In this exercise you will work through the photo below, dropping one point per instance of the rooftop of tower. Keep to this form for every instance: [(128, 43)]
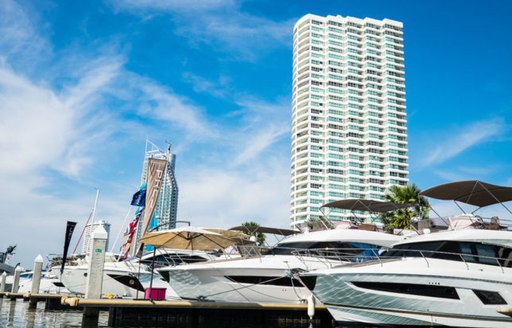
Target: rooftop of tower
[(350, 19)]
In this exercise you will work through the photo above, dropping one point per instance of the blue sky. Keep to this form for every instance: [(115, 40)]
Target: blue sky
[(84, 83)]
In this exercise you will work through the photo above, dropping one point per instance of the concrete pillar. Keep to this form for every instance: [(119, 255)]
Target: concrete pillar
[(96, 263), (95, 268), (2, 282), (36, 277), (16, 281)]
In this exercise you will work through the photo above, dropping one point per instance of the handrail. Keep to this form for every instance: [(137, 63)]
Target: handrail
[(343, 255)]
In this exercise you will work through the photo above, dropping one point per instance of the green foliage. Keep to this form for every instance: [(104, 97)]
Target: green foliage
[(252, 227), (402, 218)]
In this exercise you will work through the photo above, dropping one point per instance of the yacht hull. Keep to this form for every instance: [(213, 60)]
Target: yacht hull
[(75, 280), (382, 294), (258, 280)]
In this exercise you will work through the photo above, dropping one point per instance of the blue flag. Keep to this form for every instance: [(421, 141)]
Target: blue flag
[(139, 198)]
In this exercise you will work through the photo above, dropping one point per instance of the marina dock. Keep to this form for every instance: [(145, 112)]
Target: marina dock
[(150, 313), (162, 313), (52, 301)]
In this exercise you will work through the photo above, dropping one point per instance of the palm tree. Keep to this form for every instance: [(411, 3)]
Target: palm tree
[(402, 218), (252, 227)]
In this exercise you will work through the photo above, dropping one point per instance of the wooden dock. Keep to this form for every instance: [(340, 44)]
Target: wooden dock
[(52, 301), (152, 313), (199, 314)]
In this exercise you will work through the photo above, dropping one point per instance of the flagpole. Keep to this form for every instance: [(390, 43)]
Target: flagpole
[(91, 216), (121, 229), (95, 204)]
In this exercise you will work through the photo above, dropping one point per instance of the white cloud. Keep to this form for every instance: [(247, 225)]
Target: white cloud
[(241, 35), (18, 36), (462, 139), (174, 5), (255, 144), (223, 198), (44, 128), (218, 88), (264, 125), (161, 104)]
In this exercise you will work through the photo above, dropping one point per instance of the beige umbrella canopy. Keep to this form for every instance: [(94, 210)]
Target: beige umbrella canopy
[(190, 238), (238, 237)]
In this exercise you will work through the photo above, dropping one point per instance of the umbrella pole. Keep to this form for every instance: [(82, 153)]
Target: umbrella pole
[(138, 277), (152, 272)]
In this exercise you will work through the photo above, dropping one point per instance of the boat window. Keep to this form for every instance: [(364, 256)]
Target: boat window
[(449, 250), (265, 280), (414, 289), (487, 254), (347, 248), (472, 252), (489, 297), (173, 259), (413, 249)]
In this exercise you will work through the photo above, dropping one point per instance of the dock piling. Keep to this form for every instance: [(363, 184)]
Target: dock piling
[(16, 281), (2, 282), (36, 277), (95, 269)]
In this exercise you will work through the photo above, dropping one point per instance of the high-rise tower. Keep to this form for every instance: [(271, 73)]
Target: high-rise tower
[(348, 112), (166, 208), (89, 229)]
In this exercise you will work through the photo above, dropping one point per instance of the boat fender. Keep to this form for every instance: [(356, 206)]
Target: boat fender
[(311, 306)]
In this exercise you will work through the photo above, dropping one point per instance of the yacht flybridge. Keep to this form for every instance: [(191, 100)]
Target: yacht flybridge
[(452, 278)]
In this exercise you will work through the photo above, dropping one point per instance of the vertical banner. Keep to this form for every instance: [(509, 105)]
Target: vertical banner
[(155, 177), (70, 227)]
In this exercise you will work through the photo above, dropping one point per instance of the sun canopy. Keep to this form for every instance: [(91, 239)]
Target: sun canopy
[(472, 192), (366, 205), (191, 238), (274, 231)]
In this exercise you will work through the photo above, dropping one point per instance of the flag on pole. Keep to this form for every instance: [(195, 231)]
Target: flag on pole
[(139, 198)]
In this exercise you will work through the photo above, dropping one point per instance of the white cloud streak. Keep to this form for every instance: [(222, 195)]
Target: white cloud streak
[(264, 125), (18, 36), (161, 104), (224, 198), (463, 139), (210, 22)]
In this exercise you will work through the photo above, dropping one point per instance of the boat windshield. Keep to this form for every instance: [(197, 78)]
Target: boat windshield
[(351, 248), (467, 251), (173, 259)]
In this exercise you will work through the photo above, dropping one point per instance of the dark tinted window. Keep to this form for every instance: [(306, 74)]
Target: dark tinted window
[(347, 248), (488, 297), (473, 252), (413, 289), (262, 280), (412, 249)]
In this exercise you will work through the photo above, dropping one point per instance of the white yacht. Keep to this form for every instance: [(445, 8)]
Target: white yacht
[(49, 283), (452, 278), (269, 277), (120, 278)]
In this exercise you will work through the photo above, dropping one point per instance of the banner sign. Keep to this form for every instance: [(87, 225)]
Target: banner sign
[(70, 227)]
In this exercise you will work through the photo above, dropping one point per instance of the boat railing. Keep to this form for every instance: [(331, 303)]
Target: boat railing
[(335, 257), (249, 251), (331, 257), (465, 258)]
